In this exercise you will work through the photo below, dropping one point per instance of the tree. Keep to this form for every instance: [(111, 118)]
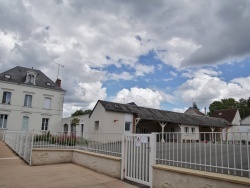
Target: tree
[(74, 122), (243, 105), (81, 112)]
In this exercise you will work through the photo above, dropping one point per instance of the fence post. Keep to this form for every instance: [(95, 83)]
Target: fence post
[(152, 156), (123, 156), (31, 148)]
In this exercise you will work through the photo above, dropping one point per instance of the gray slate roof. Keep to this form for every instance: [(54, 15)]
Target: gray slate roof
[(164, 116), (18, 76)]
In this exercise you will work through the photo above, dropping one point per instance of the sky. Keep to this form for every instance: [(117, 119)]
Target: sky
[(162, 54)]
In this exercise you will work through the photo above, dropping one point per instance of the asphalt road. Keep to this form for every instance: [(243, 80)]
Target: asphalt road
[(224, 158)]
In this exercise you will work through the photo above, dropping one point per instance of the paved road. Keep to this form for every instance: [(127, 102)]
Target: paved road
[(208, 156), (14, 173)]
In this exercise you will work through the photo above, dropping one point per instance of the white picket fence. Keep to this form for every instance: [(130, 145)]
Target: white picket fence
[(206, 151)]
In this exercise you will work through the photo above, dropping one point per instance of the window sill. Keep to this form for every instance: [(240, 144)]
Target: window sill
[(5, 104)]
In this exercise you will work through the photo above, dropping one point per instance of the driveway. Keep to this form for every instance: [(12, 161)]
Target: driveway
[(14, 172)]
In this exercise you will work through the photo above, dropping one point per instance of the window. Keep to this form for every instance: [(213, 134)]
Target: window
[(186, 129), (65, 127), (47, 103), (96, 125), (45, 124), (28, 100), (6, 97), (30, 78), (3, 121), (127, 126), (73, 129), (25, 123), (193, 130), (82, 127)]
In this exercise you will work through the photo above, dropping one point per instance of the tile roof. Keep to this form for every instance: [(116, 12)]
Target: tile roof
[(18, 76), (227, 114), (194, 111), (162, 115)]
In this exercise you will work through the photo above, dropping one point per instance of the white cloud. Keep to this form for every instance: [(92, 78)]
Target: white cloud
[(173, 73), (167, 79), (205, 87), (181, 110), (141, 70), (121, 76), (142, 97)]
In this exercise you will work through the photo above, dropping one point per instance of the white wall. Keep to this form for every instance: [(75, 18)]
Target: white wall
[(236, 120), (109, 122), (245, 121), (16, 109), (84, 119)]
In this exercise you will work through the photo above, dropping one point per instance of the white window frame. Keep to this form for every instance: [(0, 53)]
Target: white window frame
[(3, 121), (127, 123), (193, 130), (6, 99), (45, 124), (28, 100), (186, 130), (47, 103)]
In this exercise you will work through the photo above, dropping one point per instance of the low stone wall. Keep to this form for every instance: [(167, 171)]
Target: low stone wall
[(51, 156), (104, 164), (175, 177)]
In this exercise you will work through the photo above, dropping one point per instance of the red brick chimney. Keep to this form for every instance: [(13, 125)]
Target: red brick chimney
[(58, 82)]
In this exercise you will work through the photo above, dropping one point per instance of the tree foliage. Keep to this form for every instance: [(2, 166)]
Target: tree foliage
[(75, 121), (243, 105), (81, 112)]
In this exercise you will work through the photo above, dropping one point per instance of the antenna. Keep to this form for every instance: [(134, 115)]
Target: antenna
[(59, 65)]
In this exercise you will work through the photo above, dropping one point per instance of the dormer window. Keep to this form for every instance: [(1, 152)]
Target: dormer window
[(30, 78), (48, 84), (7, 76)]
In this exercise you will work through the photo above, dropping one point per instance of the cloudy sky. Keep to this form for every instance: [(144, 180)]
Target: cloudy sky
[(162, 54)]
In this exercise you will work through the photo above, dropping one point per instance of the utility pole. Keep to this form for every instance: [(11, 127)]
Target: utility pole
[(59, 65)]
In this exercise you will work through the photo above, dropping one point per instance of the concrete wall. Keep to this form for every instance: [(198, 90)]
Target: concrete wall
[(104, 164), (84, 120), (245, 121), (175, 177), (109, 122), (16, 109), (236, 120)]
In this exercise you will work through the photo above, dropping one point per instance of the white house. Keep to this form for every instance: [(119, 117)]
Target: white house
[(245, 121), (110, 117), (231, 115), (30, 100), (83, 121)]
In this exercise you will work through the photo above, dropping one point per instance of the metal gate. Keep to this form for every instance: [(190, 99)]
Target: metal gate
[(138, 158), (20, 142)]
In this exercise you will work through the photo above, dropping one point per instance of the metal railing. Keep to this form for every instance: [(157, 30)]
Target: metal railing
[(104, 143), (220, 152), (20, 142)]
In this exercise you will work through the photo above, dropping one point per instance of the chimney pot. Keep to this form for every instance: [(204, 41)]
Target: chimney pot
[(58, 82)]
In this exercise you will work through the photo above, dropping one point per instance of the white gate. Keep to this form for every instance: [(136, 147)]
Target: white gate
[(139, 158)]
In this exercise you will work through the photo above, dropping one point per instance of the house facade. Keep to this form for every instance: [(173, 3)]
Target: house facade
[(110, 117), (80, 127), (245, 121), (30, 100), (231, 115)]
